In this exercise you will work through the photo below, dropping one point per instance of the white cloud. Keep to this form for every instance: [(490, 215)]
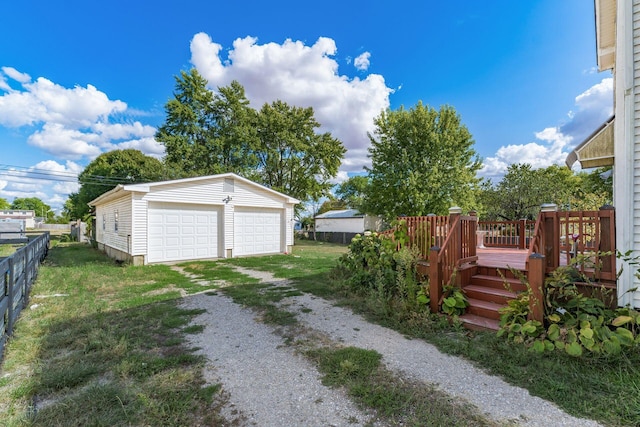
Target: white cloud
[(4, 85), (149, 146), (362, 61), (46, 102), (48, 180), (66, 143), (593, 107), (16, 75), (303, 76)]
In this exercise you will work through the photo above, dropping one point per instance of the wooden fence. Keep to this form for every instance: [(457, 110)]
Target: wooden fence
[(17, 274)]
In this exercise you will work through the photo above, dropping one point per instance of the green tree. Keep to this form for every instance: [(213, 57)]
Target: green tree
[(292, 158), (4, 204), (422, 161), (235, 132), (108, 170), (523, 189), (352, 192), (34, 204), (206, 133), (187, 131)]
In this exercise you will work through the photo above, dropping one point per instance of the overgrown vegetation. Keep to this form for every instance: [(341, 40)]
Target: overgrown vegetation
[(105, 306), (576, 323), (104, 345), (584, 387), (375, 269)]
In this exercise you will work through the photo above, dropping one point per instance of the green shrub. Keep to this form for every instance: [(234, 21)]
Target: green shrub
[(574, 323), (375, 267)]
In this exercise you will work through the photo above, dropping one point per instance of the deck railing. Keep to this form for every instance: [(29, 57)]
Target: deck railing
[(458, 248), (17, 274), (561, 236), (565, 235), (506, 234), (424, 232)]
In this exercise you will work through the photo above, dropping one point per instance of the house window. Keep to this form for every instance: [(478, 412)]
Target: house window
[(115, 220), (104, 221)]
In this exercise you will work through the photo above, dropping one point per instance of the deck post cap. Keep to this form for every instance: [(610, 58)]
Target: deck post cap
[(548, 207), (455, 210)]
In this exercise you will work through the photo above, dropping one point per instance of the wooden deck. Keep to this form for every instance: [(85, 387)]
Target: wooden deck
[(502, 257), (506, 257)]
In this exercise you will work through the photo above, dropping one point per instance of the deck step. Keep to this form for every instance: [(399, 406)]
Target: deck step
[(497, 282), (493, 271), (484, 308), (484, 293), (479, 323)]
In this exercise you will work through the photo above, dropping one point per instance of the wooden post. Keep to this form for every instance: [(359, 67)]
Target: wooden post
[(522, 240), (435, 278), (607, 239), (536, 275), (550, 238)]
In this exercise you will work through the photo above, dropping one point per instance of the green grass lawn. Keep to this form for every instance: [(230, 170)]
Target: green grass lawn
[(113, 339), (104, 345)]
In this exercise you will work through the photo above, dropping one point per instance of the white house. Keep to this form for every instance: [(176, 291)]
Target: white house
[(617, 142), (27, 216), (346, 221), (218, 216)]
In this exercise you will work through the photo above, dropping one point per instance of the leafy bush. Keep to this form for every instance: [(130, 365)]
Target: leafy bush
[(574, 323), (375, 267), (454, 302)]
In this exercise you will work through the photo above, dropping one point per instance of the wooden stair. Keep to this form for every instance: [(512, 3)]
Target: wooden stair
[(487, 291)]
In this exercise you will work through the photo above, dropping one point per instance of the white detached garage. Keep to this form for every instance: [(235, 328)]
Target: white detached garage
[(218, 216)]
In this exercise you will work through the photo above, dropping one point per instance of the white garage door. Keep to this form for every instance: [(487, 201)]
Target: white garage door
[(182, 232), (257, 232)]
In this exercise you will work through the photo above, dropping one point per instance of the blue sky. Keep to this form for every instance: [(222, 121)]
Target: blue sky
[(89, 77)]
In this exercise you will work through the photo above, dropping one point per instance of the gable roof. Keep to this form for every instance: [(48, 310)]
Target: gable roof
[(146, 187), (342, 213)]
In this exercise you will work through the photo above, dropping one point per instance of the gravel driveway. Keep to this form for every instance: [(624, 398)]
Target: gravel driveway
[(268, 384)]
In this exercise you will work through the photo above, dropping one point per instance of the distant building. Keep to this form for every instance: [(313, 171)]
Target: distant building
[(346, 221), (29, 217)]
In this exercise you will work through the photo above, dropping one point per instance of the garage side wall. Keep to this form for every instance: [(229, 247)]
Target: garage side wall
[(288, 227), (113, 227), (139, 221)]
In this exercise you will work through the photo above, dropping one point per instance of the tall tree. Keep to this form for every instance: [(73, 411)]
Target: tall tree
[(292, 157), (235, 132), (206, 133), (187, 131), (33, 204), (108, 170), (4, 204), (352, 191), (422, 161)]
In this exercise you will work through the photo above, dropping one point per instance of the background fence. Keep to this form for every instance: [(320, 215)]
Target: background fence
[(17, 274)]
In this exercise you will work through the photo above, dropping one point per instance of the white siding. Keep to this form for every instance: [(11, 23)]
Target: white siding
[(635, 179), (139, 227), (228, 228), (340, 225), (289, 224), (106, 223)]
